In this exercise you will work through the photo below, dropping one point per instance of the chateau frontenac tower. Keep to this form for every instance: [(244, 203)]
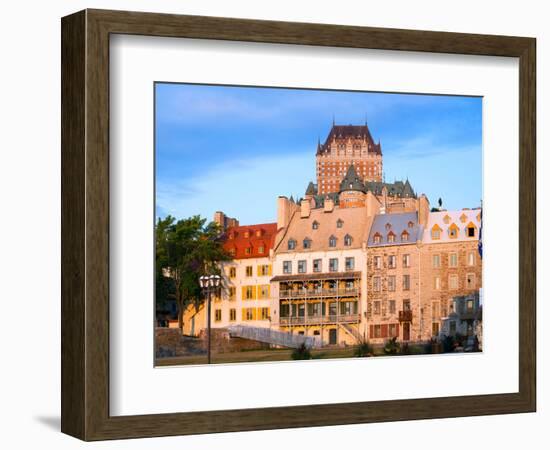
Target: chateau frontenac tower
[(347, 145)]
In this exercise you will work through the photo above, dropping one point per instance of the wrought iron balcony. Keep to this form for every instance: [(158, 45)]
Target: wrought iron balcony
[(405, 316), (315, 293), (317, 320)]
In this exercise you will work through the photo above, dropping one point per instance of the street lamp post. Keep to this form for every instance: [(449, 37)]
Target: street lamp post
[(208, 284)]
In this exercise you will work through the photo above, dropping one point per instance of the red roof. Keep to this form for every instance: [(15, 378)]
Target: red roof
[(343, 132), (250, 241)]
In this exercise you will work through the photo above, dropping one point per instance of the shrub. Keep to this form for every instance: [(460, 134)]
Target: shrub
[(448, 344), (302, 352), (405, 349), (363, 349), (392, 347)]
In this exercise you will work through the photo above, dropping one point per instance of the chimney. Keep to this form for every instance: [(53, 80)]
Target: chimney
[(305, 208), (423, 205), (285, 209), (372, 204), (224, 221), (329, 204)]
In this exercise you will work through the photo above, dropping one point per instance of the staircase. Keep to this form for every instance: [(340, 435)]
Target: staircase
[(274, 337), (352, 331)]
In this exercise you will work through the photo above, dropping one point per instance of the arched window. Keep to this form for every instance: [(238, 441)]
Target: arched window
[(347, 240), (339, 223), (405, 236), (291, 244), (436, 232), (332, 241), (307, 243), (453, 231), (377, 238), (410, 224), (391, 237), (315, 225)]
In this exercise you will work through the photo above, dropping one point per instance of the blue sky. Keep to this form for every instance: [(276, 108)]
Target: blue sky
[(236, 149)]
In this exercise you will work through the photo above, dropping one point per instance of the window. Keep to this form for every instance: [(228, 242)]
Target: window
[(232, 251), (437, 283), (470, 281), (391, 237), (453, 281), (391, 305), (263, 270), (392, 330), (263, 291), (317, 265), (291, 244), (446, 219), (471, 259), (436, 232), (452, 327), (261, 249), (376, 284), (218, 315), (231, 293), (232, 314), (377, 262), (248, 250), (302, 266), (249, 292), (248, 271), (453, 231), (377, 331), (436, 261), (232, 272), (333, 264), (377, 238), (435, 310), (332, 241), (406, 261), (453, 260), (339, 223), (248, 313), (391, 283), (307, 243), (463, 218), (287, 267), (377, 307), (404, 236), (264, 313), (435, 328), (410, 224), (392, 262), (406, 305), (315, 225), (350, 263), (347, 240), (471, 231), (406, 282), (247, 234), (469, 305), (258, 233)]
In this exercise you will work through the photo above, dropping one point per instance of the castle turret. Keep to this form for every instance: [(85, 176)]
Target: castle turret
[(352, 190)]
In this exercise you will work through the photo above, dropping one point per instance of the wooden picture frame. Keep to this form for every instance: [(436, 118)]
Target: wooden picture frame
[(85, 224)]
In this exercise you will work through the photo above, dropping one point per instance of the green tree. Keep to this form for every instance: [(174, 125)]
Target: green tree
[(185, 250)]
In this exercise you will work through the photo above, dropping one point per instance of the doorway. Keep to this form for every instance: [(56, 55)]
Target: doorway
[(332, 336)]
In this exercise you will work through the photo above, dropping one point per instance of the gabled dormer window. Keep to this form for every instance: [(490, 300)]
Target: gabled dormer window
[(339, 223), (410, 224), (247, 234), (377, 238), (232, 251), (248, 250), (258, 233), (453, 231), (405, 236), (446, 219), (388, 226), (391, 237), (307, 243), (471, 230), (463, 218), (332, 241), (261, 249), (436, 232), (315, 225), (291, 244), (347, 240)]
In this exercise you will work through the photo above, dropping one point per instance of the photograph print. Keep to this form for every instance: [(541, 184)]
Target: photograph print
[(303, 224)]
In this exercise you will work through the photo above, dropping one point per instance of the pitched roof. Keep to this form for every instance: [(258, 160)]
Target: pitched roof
[(352, 182), (396, 224), (437, 219), (356, 223), (395, 189), (311, 189), (260, 235), (350, 131)]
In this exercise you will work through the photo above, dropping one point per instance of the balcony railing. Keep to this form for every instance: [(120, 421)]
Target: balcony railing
[(405, 316), (302, 293), (314, 320)]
